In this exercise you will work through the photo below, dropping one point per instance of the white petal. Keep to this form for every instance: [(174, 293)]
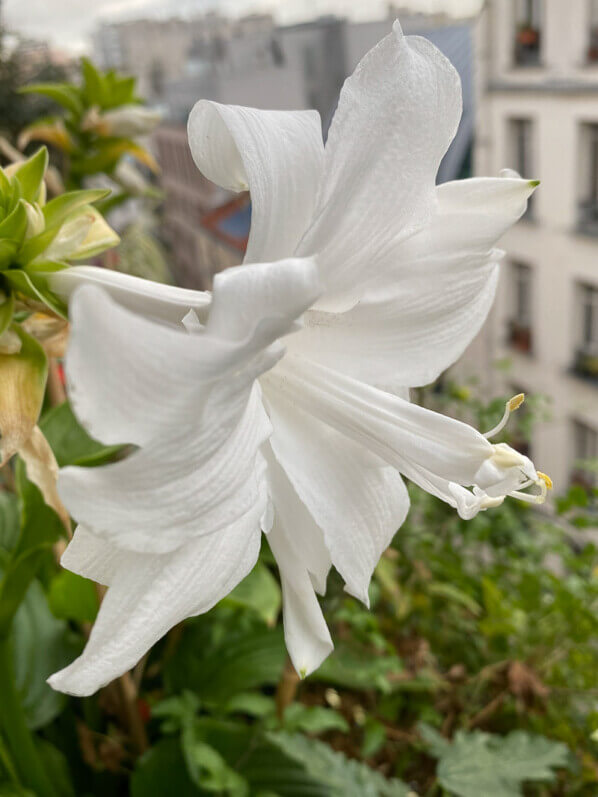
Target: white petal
[(153, 299), (277, 155), (131, 378), (294, 541), (396, 117), (357, 501), (149, 594), (200, 479), (431, 449), (417, 319), (92, 557)]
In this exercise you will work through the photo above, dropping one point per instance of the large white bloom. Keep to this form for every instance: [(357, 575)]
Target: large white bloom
[(305, 439)]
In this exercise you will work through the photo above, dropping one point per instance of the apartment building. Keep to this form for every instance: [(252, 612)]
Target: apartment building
[(537, 112)]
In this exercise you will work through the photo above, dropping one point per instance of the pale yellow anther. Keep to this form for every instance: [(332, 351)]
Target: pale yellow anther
[(546, 479), (516, 402)]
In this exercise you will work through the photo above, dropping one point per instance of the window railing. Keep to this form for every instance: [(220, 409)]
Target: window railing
[(520, 336), (588, 216), (585, 363), (527, 46)]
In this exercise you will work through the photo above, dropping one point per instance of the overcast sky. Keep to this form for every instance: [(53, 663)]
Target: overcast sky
[(68, 23)]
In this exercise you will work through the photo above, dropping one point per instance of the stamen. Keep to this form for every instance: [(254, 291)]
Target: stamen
[(546, 479), (511, 405)]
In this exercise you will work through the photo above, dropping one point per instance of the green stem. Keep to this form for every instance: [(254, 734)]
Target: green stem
[(14, 726)]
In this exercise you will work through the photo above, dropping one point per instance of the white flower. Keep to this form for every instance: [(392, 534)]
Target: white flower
[(127, 120), (241, 426)]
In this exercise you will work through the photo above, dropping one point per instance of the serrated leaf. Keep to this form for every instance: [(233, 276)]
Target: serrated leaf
[(356, 668), (313, 719), (480, 763), (342, 777)]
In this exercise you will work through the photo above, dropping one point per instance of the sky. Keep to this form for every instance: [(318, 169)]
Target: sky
[(67, 24)]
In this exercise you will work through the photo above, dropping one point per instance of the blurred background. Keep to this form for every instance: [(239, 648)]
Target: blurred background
[(484, 634)]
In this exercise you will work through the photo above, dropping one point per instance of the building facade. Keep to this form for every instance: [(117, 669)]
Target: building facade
[(537, 113)]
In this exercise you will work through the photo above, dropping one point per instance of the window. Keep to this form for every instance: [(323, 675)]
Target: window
[(588, 207), (521, 152), (520, 326), (585, 453), (586, 361), (528, 28), (593, 32)]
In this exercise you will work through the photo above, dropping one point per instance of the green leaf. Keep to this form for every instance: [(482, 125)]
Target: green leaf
[(452, 593), (6, 312), (58, 209), (241, 660), (260, 592), (70, 442), (264, 764), (41, 645), (40, 528), (35, 287), (342, 777), (313, 719), (30, 174), (121, 91), (56, 765), (207, 767), (15, 224), (64, 94), (95, 87), (253, 704), (374, 738), (162, 771), (9, 521), (357, 668), (480, 763), (72, 597)]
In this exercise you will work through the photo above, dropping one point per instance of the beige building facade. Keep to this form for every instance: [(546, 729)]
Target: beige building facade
[(537, 113)]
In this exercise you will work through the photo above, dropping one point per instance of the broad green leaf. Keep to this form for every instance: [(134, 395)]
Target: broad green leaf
[(64, 94), (264, 764), (374, 738), (121, 90), (480, 763), (241, 660), (59, 208), (41, 644), (260, 592), (30, 174), (162, 771), (72, 597), (342, 777), (70, 442)]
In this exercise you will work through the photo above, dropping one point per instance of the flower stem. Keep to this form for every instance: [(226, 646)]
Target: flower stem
[(19, 739)]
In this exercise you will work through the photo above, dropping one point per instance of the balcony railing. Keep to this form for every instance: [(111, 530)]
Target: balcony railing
[(588, 217), (527, 46), (585, 364), (520, 336)]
